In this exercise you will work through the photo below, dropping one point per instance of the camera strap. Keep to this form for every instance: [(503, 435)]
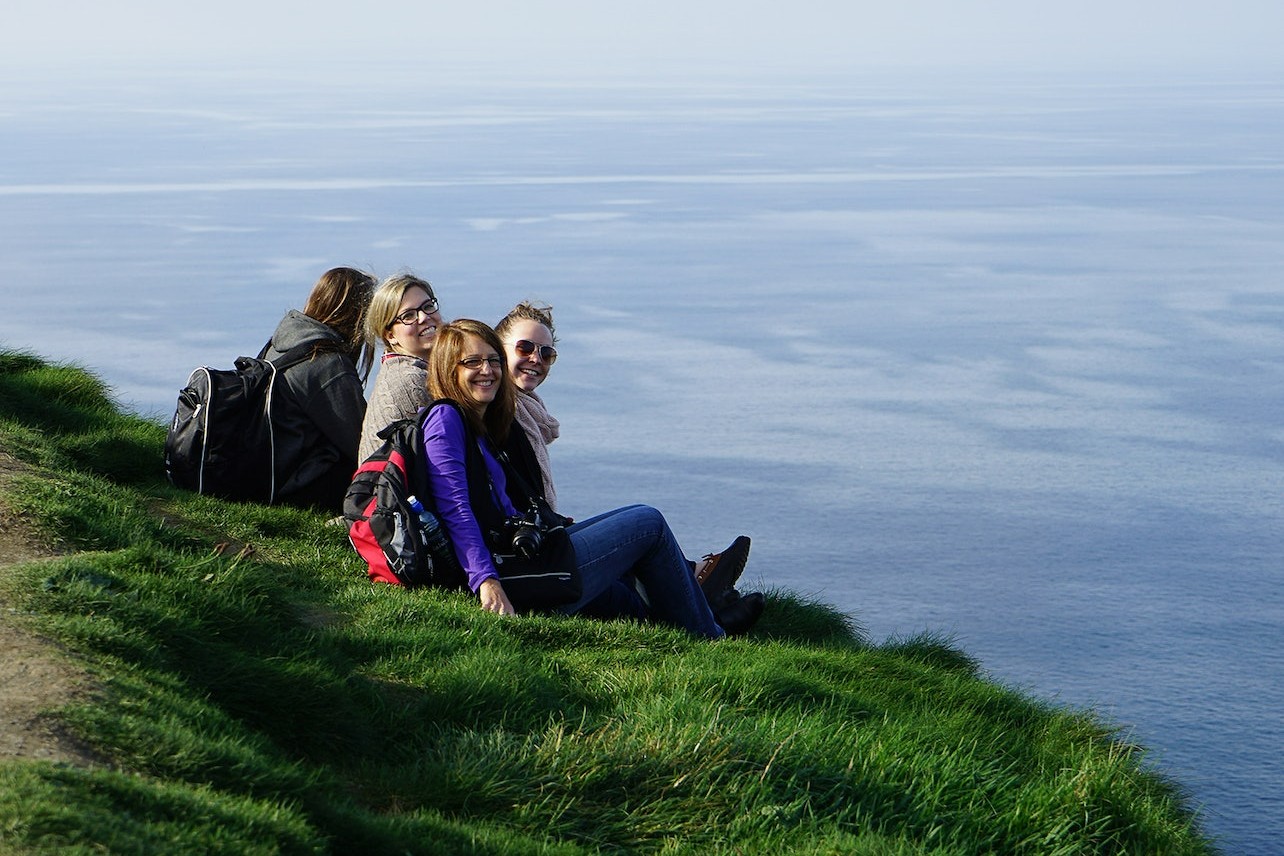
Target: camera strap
[(547, 516)]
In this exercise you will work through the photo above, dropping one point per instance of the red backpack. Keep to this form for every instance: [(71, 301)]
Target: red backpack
[(401, 544)]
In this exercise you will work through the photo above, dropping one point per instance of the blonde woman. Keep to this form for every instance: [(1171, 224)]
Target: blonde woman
[(403, 318), (530, 347)]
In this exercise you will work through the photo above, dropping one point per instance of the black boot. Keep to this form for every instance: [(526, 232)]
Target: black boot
[(736, 613), (721, 570)]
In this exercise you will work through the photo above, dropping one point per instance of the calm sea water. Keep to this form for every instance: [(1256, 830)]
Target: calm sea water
[(1001, 362)]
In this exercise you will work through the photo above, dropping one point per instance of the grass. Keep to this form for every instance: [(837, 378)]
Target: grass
[(256, 695)]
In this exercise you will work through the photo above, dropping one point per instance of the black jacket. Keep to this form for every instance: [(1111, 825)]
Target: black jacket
[(318, 442)]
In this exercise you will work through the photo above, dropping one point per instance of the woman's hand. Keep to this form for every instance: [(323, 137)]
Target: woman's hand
[(493, 598)]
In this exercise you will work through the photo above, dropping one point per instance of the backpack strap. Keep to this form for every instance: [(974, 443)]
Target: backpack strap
[(418, 475), (297, 354)]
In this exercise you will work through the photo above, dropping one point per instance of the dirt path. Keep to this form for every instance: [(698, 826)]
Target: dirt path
[(35, 674)]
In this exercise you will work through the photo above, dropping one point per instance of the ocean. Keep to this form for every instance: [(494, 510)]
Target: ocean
[(997, 360)]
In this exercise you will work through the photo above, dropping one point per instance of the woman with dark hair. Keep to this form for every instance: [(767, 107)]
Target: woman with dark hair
[(467, 367), (403, 318), (318, 445)]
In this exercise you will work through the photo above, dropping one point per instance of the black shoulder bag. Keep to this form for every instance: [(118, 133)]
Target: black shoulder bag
[(533, 553)]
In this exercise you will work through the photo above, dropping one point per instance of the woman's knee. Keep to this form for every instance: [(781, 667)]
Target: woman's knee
[(645, 512), (636, 508), (646, 516)]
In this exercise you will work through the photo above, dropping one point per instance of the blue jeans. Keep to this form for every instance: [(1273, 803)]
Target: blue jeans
[(636, 539)]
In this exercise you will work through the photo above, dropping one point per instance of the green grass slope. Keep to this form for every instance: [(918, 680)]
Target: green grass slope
[(255, 694)]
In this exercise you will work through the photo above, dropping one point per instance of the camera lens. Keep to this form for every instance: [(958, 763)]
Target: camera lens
[(526, 540)]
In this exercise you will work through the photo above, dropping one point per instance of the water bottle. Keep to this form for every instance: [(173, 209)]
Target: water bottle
[(440, 551)]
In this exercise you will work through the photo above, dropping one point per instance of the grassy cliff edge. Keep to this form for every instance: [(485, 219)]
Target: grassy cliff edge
[(252, 693)]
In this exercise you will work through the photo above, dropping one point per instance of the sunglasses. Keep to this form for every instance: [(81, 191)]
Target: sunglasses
[(526, 347)]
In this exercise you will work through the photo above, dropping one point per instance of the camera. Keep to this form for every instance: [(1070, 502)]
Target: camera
[(527, 538)]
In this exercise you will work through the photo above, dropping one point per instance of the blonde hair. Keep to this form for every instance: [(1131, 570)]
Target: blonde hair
[(385, 302), (527, 311)]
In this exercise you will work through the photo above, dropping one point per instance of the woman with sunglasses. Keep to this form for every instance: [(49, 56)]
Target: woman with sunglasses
[(403, 318), (467, 366), (530, 344), (528, 337)]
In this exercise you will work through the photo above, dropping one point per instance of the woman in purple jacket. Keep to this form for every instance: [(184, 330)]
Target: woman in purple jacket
[(467, 367)]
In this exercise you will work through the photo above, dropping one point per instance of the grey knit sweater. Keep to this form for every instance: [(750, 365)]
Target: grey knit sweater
[(400, 389)]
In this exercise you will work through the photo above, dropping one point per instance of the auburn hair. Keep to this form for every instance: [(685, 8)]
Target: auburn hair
[(448, 348)]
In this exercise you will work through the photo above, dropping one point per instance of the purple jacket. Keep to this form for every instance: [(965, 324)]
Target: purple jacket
[(444, 439)]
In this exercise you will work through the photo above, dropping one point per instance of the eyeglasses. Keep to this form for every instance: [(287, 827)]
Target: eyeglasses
[(526, 347), (475, 363), (410, 316)]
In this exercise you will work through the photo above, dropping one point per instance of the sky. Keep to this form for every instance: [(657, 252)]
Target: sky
[(1234, 36)]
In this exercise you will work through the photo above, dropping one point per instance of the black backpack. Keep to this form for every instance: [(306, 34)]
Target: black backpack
[(382, 525), (223, 438)]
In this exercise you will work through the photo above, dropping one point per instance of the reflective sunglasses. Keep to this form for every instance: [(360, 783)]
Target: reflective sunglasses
[(526, 347)]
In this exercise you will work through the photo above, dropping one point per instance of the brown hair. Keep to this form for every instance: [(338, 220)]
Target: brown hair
[(339, 300), (383, 305), (443, 378), (527, 311)]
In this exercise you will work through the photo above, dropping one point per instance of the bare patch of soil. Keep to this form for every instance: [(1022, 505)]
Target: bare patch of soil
[(36, 675)]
